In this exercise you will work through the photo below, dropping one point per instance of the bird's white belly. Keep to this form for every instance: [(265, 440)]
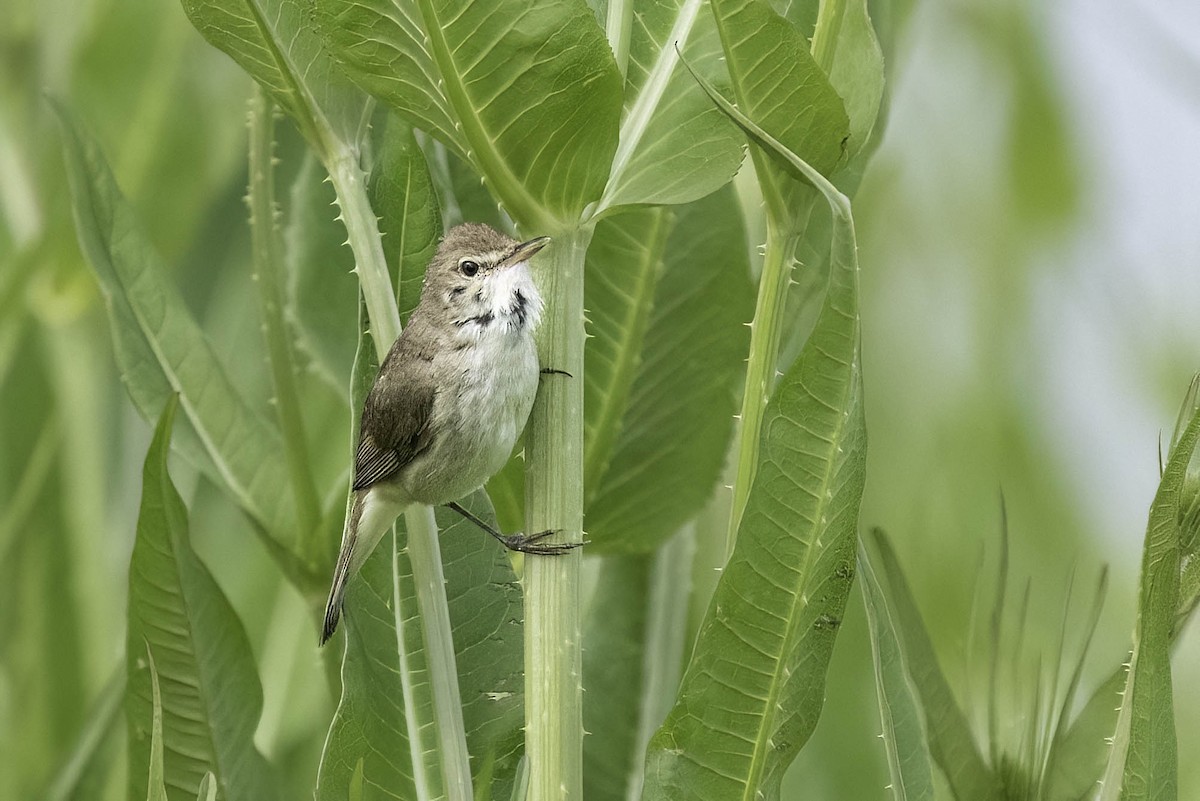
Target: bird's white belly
[(477, 417)]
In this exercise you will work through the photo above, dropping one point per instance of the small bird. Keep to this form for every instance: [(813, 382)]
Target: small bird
[(451, 398)]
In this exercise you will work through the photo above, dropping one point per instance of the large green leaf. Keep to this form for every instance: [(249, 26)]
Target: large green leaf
[(740, 721), (274, 41), (674, 146), (211, 698), (672, 437), (1083, 749), (161, 351), (526, 90), (403, 196), (904, 737), (380, 730), (1144, 759), (621, 273)]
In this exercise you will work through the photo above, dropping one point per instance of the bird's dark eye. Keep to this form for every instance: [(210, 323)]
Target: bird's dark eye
[(468, 268)]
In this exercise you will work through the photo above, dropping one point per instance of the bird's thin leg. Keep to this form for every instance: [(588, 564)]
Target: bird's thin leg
[(553, 371), (525, 543)]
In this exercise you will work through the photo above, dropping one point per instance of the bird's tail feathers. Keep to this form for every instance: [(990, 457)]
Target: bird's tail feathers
[(369, 518)]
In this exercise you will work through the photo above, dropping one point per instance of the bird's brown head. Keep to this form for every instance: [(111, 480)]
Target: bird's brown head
[(479, 281)]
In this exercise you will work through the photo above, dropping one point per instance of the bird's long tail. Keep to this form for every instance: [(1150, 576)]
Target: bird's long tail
[(366, 522)]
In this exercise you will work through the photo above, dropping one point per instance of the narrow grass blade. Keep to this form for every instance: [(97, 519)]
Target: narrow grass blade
[(211, 698), (951, 742), (738, 724), (904, 737), (156, 788)]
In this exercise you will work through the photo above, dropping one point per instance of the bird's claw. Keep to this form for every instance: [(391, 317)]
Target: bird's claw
[(532, 543), (555, 371)]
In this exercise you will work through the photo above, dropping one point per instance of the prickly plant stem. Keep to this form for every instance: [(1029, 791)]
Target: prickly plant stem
[(765, 333), (554, 500), (281, 359), (618, 26), (424, 553)]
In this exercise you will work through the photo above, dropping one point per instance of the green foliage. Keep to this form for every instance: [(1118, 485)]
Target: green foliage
[(904, 737), (210, 694), (737, 724), (527, 92), (617, 128)]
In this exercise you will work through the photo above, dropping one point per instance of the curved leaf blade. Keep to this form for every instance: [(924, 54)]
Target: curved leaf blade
[(674, 147), (161, 350), (210, 695), (526, 90), (674, 432), (739, 723)]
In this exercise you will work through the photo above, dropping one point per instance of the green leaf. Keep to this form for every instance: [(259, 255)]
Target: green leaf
[(615, 632), (322, 291), (274, 41), (777, 84), (211, 698), (950, 740), (162, 351), (622, 268), (738, 723), (672, 437), (1082, 752), (526, 90), (379, 727), (1144, 750), (857, 73), (156, 789), (403, 196), (674, 146), (903, 735)]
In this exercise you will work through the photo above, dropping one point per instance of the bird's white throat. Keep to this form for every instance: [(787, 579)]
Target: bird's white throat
[(508, 302)]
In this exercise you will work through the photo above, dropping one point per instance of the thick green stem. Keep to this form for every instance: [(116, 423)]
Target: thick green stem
[(423, 550), (765, 333), (825, 34), (268, 273), (554, 500)]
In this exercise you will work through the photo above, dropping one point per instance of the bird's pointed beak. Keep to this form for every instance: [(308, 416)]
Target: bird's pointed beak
[(526, 250)]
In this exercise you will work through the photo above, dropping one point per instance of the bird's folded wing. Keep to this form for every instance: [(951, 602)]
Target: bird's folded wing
[(395, 428)]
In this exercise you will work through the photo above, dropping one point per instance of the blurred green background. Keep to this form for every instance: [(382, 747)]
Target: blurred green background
[(1030, 235)]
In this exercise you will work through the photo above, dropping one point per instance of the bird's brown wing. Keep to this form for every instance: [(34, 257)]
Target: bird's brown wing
[(395, 426)]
